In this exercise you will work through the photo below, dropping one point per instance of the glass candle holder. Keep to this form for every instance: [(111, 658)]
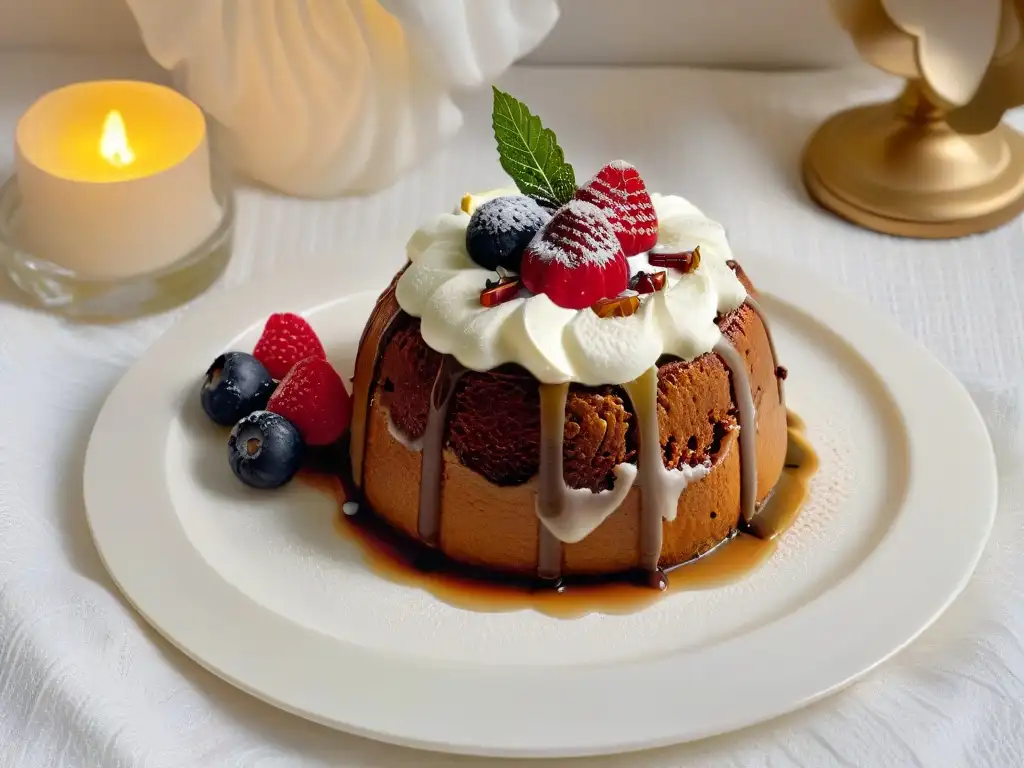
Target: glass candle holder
[(56, 288), (116, 207)]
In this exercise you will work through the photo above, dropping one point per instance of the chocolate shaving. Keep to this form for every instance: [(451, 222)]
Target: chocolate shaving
[(782, 372), (504, 278), (619, 306), (499, 291), (684, 261), (648, 282)]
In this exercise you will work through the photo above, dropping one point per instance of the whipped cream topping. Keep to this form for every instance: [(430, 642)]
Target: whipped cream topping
[(442, 287)]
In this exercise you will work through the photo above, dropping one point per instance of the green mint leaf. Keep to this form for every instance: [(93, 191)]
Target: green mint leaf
[(530, 153)]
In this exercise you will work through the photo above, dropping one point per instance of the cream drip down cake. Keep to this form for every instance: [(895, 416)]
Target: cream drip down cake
[(567, 379)]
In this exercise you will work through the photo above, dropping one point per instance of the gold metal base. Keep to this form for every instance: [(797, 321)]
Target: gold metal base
[(898, 168)]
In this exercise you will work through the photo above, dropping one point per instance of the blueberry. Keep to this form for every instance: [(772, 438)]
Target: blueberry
[(265, 450), (500, 229), (236, 384)]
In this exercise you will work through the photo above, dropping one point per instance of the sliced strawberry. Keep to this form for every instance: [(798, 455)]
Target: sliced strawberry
[(314, 399), (576, 259), (618, 190), (286, 340)]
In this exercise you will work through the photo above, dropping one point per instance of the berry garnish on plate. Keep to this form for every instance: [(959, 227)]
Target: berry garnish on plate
[(618, 190), (265, 450), (287, 338), (576, 259), (313, 398), (500, 229), (236, 384)]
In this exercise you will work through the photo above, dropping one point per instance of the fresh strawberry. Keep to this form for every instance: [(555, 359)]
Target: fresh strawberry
[(286, 339), (314, 399), (575, 258), (618, 190)]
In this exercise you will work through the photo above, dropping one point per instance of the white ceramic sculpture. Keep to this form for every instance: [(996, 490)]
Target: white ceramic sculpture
[(327, 97)]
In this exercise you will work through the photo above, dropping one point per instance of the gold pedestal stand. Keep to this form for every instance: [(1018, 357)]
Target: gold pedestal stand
[(900, 169)]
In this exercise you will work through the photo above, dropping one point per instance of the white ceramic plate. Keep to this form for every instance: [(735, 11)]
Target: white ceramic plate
[(259, 587)]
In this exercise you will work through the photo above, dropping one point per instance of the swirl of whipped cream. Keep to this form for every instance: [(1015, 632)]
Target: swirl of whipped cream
[(442, 287)]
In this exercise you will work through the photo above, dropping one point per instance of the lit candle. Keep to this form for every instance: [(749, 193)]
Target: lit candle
[(114, 178)]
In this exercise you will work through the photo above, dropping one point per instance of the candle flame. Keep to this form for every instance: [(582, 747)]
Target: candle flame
[(114, 146)]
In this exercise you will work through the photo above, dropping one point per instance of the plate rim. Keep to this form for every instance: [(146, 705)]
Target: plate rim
[(228, 633)]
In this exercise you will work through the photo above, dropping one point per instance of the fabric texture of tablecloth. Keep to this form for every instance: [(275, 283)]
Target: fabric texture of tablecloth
[(85, 682)]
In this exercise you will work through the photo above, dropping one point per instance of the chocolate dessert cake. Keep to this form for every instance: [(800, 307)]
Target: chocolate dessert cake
[(567, 380)]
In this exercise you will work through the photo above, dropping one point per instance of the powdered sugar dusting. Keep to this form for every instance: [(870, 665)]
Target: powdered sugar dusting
[(578, 234), (618, 189), (513, 213), (557, 342)]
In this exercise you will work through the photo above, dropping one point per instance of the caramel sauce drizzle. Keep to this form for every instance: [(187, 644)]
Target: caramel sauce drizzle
[(565, 514), (552, 436), (405, 560), (661, 488), (743, 396), (780, 374), (432, 455), (367, 371)]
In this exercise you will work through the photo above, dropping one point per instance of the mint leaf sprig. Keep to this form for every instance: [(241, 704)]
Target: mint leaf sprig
[(529, 152)]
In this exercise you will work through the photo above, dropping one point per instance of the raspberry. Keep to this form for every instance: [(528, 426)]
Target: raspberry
[(576, 259), (313, 398), (286, 340), (618, 190)]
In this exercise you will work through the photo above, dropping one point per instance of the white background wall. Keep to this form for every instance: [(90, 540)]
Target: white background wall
[(774, 33), (67, 23)]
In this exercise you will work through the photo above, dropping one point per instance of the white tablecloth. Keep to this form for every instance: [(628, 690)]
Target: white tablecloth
[(84, 681)]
